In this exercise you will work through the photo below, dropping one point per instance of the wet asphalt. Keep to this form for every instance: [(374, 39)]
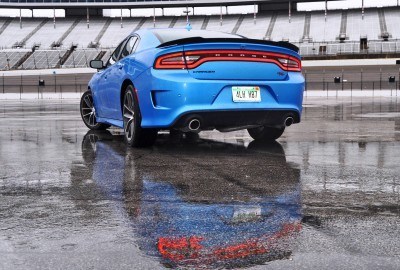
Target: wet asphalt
[(325, 196)]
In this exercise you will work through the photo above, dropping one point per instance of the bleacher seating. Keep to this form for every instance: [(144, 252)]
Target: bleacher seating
[(81, 35), (43, 59), (13, 33), (321, 30), (293, 31), (8, 58), (80, 58), (104, 34), (358, 27), (258, 30), (48, 34), (227, 26), (115, 33)]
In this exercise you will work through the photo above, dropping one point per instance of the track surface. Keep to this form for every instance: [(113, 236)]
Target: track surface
[(325, 197)]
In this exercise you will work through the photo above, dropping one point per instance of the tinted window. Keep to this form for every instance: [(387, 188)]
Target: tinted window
[(128, 48), (114, 57), (165, 35)]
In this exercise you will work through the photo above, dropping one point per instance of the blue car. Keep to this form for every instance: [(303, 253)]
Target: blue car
[(195, 80)]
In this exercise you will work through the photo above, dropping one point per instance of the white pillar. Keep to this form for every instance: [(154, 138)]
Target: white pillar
[(255, 14), (87, 17), (154, 17), (362, 9), (122, 26), (220, 20)]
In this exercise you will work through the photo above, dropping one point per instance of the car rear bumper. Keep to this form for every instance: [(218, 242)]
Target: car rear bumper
[(230, 119), (171, 97)]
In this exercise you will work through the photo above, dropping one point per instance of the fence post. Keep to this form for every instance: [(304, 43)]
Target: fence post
[(362, 79), (327, 89), (342, 79), (305, 75), (3, 82), (20, 88), (76, 88), (380, 79), (55, 81), (351, 90), (373, 88)]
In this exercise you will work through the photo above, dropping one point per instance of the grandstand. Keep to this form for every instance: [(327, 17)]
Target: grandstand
[(36, 43)]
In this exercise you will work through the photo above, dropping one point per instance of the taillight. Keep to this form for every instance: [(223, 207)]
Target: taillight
[(170, 61), (290, 63), (193, 59)]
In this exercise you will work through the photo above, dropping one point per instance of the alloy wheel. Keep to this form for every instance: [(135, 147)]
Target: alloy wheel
[(88, 110), (129, 116)]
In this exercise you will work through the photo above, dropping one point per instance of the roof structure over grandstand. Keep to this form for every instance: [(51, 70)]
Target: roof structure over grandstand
[(136, 3)]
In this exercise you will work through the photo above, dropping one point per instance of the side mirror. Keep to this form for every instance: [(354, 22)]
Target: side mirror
[(97, 64)]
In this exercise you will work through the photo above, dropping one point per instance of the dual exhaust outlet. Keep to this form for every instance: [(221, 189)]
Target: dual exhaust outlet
[(191, 125), (288, 121), (195, 124)]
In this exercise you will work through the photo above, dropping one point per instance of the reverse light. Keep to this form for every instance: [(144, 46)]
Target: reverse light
[(193, 59)]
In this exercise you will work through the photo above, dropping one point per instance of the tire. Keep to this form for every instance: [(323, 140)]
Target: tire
[(266, 134), (88, 112), (134, 134)]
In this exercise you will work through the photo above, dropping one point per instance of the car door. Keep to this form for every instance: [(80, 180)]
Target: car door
[(102, 91), (116, 76)]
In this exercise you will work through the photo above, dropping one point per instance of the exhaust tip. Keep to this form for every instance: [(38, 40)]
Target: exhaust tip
[(194, 125), (289, 121)]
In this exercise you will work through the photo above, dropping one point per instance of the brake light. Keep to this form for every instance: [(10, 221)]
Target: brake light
[(193, 59), (170, 61)]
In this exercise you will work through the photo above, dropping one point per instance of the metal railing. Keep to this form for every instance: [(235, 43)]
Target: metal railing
[(352, 81), (47, 59), (315, 81), (353, 47)]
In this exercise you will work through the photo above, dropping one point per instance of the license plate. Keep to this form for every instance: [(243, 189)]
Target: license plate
[(246, 94)]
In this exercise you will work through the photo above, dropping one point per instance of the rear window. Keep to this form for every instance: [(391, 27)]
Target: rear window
[(166, 35)]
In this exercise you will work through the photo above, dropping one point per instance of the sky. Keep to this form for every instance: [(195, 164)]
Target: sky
[(208, 10)]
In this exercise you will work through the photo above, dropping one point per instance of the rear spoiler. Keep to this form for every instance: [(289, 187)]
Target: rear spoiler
[(191, 40)]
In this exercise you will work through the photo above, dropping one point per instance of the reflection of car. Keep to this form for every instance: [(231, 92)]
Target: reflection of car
[(212, 216), (195, 80)]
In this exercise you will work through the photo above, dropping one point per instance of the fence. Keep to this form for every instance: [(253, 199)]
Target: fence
[(63, 83), (47, 59), (315, 80), (381, 79), (353, 47)]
